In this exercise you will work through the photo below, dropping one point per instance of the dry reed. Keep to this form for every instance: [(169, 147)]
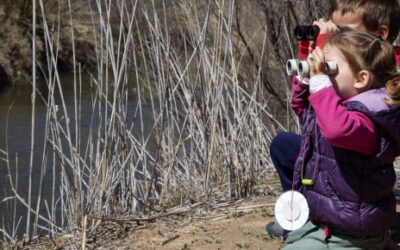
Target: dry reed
[(202, 124)]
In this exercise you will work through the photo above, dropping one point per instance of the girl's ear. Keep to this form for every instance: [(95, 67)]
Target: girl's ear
[(364, 78), (383, 31)]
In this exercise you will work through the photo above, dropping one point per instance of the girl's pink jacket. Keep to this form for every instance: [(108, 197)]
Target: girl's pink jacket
[(340, 127)]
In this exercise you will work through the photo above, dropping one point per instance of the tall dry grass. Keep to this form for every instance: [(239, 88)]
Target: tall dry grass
[(217, 91)]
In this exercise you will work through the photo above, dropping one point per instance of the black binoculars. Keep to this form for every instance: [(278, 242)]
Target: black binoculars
[(306, 32)]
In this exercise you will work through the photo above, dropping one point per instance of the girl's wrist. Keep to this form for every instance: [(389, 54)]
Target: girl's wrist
[(318, 82)]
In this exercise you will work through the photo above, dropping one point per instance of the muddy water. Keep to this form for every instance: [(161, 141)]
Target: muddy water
[(15, 138)]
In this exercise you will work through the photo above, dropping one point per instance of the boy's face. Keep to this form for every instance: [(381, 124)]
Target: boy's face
[(350, 20)]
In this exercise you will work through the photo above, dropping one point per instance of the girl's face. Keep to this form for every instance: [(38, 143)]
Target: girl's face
[(344, 80)]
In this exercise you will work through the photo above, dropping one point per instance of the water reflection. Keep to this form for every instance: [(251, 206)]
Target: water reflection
[(15, 138), (15, 112)]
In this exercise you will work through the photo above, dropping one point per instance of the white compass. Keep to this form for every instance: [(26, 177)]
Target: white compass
[(291, 210)]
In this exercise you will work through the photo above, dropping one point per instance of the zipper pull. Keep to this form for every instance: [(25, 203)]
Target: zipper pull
[(307, 182)]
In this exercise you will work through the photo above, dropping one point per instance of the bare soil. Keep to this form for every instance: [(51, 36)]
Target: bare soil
[(234, 225), (230, 225), (241, 227), (226, 225)]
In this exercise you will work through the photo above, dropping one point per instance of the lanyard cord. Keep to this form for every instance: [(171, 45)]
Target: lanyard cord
[(314, 132)]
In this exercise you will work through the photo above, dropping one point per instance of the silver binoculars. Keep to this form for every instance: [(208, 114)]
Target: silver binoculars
[(302, 69)]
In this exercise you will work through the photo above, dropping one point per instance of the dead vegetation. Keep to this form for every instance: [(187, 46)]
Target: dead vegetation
[(209, 74)]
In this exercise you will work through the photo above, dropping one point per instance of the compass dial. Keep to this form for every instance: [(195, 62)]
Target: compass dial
[(291, 210)]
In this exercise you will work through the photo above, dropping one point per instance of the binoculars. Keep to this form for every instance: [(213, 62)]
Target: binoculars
[(306, 32), (302, 69)]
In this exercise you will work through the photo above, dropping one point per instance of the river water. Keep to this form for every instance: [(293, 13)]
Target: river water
[(15, 138)]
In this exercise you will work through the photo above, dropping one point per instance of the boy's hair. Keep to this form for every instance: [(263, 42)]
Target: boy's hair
[(373, 13), (365, 51)]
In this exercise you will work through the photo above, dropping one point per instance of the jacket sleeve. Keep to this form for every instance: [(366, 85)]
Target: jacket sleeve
[(303, 49), (303, 46), (342, 128), (299, 95)]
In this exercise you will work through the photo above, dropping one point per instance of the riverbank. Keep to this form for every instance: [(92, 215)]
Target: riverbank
[(233, 225), (219, 225), (227, 225)]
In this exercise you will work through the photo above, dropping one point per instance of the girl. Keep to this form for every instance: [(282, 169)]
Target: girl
[(351, 136), (381, 17)]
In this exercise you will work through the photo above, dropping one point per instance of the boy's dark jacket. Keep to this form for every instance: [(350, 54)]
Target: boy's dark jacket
[(352, 193)]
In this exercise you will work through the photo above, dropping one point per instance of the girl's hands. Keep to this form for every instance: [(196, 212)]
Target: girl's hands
[(316, 62), (318, 71)]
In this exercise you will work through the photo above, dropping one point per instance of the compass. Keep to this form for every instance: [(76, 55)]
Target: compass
[(291, 210)]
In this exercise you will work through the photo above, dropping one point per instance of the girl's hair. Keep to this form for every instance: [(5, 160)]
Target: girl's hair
[(393, 90), (365, 51)]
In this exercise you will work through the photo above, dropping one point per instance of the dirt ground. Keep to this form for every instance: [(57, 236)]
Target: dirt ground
[(225, 225), (235, 227), (241, 227), (231, 225)]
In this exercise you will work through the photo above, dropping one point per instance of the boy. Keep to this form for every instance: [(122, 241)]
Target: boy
[(381, 17)]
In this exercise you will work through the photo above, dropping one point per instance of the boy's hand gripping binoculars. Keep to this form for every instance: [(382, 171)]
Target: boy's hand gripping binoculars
[(302, 69)]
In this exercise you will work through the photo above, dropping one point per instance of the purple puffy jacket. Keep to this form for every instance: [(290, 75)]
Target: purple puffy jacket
[(352, 193)]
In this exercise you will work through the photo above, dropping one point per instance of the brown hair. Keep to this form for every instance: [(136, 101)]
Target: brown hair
[(365, 51), (373, 13), (393, 90)]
